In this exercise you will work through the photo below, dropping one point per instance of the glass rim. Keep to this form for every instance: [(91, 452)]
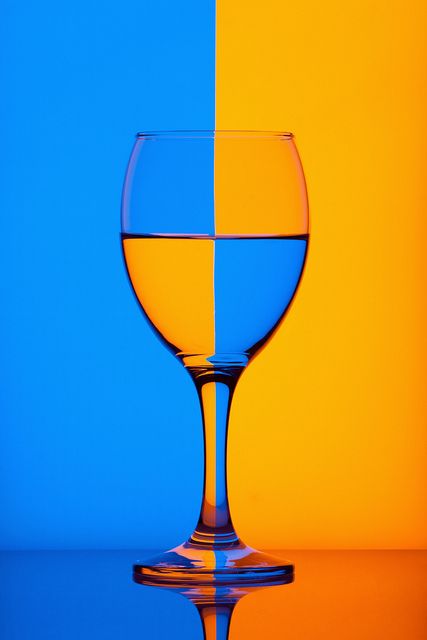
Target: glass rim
[(213, 133)]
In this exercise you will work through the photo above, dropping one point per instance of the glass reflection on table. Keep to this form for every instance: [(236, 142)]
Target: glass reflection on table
[(61, 595), (215, 605)]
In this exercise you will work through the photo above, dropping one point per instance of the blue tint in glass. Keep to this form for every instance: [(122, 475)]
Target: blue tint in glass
[(255, 281), (169, 187)]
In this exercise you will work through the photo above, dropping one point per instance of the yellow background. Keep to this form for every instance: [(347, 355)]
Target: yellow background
[(328, 428)]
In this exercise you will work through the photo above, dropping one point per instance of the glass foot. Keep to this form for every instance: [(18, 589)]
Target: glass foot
[(206, 565)]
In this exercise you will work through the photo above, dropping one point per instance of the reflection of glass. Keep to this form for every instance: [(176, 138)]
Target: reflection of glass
[(214, 234), (215, 606), (87, 595)]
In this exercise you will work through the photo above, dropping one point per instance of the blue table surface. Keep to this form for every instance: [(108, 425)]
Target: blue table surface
[(90, 594)]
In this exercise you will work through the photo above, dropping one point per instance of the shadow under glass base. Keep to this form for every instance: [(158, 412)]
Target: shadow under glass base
[(213, 565)]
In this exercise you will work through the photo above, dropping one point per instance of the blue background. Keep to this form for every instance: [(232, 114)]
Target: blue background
[(100, 438)]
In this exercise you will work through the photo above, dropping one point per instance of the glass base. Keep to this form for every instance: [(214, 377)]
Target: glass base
[(213, 565)]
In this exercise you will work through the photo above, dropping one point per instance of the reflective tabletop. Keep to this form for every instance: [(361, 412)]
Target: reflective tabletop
[(335, 594)]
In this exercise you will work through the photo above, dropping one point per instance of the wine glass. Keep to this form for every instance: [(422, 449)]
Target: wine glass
[(214, 237)]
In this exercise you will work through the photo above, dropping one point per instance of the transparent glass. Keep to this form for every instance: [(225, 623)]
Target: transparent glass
[(215, 235)]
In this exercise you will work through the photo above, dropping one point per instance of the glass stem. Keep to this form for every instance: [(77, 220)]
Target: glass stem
[(215, 621), (215, 525)]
